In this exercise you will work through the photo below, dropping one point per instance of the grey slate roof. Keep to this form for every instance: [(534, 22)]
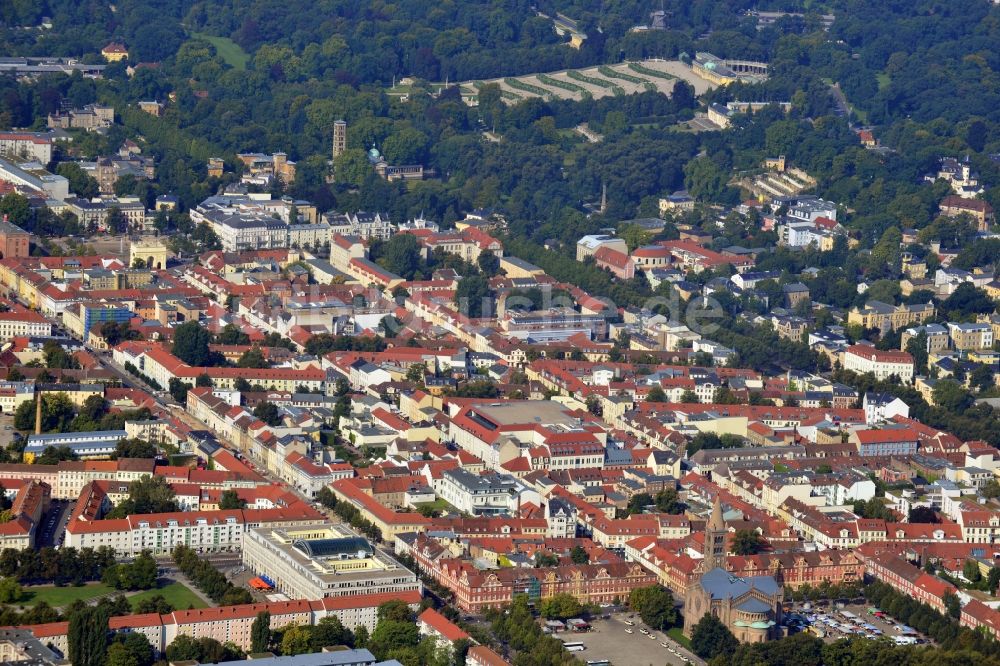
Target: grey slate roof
[(723, 585)]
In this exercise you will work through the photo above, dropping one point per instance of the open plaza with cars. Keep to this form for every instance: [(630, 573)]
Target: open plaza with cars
[(624, 640), (834, 621)]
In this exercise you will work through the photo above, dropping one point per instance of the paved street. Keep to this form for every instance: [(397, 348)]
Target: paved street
[(129, 379), (53, 524), (840, 101)]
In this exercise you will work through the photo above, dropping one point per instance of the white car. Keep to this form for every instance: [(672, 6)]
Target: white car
[(666, 645), (651, 636), (630, 623), (643, 630), (629, 631)]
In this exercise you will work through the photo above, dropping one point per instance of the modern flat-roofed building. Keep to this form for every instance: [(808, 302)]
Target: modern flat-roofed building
[(33, 175), (359, 657), (320, 561), (589, 245), (519, 268), (86, 445), (29, 68), (554, 324), (29, 145), (558, 437)]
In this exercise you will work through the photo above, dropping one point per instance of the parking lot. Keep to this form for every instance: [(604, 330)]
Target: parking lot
[(608, 639), (854, 620), (53, 524), (7, 432)]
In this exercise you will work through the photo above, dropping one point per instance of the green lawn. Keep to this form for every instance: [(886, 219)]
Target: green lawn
[(228, 50), (677, 634), (438, 505), (61, 596), (177, 595), (883, 80)]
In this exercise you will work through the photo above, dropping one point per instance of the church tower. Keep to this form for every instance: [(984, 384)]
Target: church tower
[(715, 539)]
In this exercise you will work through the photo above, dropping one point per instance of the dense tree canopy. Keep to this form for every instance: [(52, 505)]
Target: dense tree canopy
[(655, 605), (191, 341), (710, 638), (150, 494)]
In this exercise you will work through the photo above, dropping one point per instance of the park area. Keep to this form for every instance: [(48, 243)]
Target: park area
[(176, 594), (228, 50), (64, 595)]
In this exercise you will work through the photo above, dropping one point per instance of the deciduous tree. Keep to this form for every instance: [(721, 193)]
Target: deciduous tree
[(710, 638), (655, 605), (260, 632), (230, 499), (191, 343), (560, 607), (747, 542), (268, 412)]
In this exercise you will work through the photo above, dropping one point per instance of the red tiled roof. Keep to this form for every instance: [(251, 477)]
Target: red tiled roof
[(934, 585), (486, 657), (651, 252), (606, 255), (886, 435), (21, 136), (879, 355), (441, 625), (350, 489), (978, 205)]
